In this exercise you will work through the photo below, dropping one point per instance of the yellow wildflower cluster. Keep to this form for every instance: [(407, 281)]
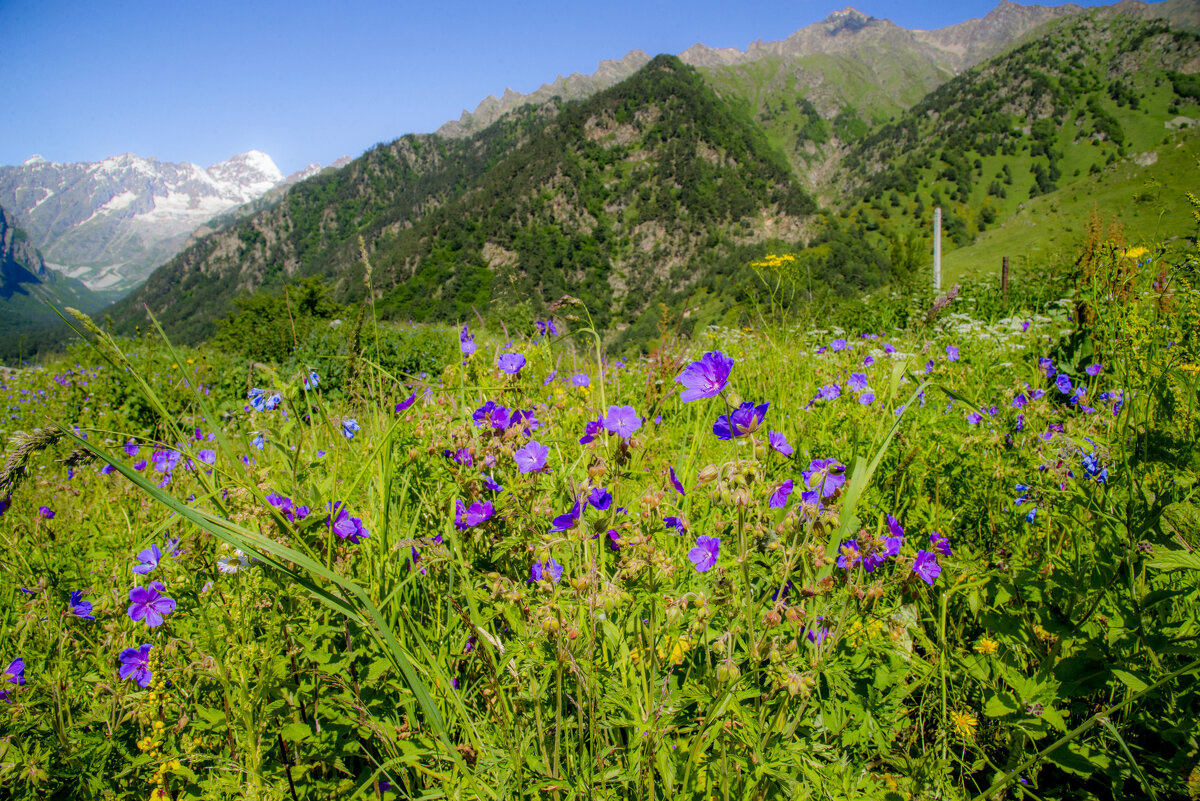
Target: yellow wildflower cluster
[(679, 648), (965, 724), (1136, 253), (858, 632), (987, 646), (774, 261)]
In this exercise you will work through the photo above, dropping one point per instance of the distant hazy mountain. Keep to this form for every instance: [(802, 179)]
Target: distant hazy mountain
[(110, 223)]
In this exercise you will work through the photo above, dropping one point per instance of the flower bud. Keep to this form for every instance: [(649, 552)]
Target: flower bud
[(708, 474), (772, 618), (727, 671)]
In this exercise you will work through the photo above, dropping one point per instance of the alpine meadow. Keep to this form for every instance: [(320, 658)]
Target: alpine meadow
[(637, 438)]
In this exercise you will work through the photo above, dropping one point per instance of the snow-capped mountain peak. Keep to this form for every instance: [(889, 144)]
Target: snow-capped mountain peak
[(111, 222)]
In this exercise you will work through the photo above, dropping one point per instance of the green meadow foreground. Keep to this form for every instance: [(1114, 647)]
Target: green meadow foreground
[(945, 550)]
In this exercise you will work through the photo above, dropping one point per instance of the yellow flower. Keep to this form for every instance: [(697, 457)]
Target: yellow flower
[(1136, 253), (678, 651), (964, 724), (987, 646)]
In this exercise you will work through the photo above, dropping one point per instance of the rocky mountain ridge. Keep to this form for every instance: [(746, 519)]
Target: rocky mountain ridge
[(945, 50)]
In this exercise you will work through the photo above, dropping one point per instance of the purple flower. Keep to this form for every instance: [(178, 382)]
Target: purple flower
[(149, 604), (550, 571), (46, 512), (546, 327), (705, 378), (927, 567), (600, 499), (622, 421), (952, 353), (135, 664), (345, 526), (704, 555), (1046, 365), (1094, 369), (744, 420), (404, 404), (208, 456), (466, 341), (868, 361), (532, 457), (849, 555), (79, 607), (553, 375), (829, 392), (940, 543), (779, 443), (511, 363), (837, 345), (858, 382), (888, 348), (13, 674), (580, 380), (568, 520), (1063, 382), (468, 517), (866, 399), (825, 475), (779, 497), (676, 523), (675, 483), (974, 419), (131, 450), (149, 558)]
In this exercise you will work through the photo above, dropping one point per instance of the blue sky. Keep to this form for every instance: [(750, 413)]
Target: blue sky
[(308, 81)]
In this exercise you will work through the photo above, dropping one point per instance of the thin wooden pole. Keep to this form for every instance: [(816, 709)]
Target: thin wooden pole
[(1004, 276), (937, 249)]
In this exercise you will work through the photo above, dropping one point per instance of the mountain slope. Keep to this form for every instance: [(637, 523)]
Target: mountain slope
[(26, 287), (611, 200), (1095, 90)]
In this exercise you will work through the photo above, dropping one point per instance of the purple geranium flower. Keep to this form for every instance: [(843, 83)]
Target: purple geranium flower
[(149, 559), (704, 555), (675, 483), (837, 345), (580, 380), (676, 523), (974, 419), (79, 607), (705, 378), (744, 420), (927, 567), (940, 543), (208, 456), (511, 363), (1063, 382), (866, 399), (135, 664), (46, 512), (468, 517), (13, 674), (826, 475), (622, 421), (600, 499), (532, 457), (404, 404), (149, 604), (1094, 369), (568, 520), (549, 570), (779, 497), (466, 341), (779, 443), (829, 392), (345, 526), (952, 353)]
